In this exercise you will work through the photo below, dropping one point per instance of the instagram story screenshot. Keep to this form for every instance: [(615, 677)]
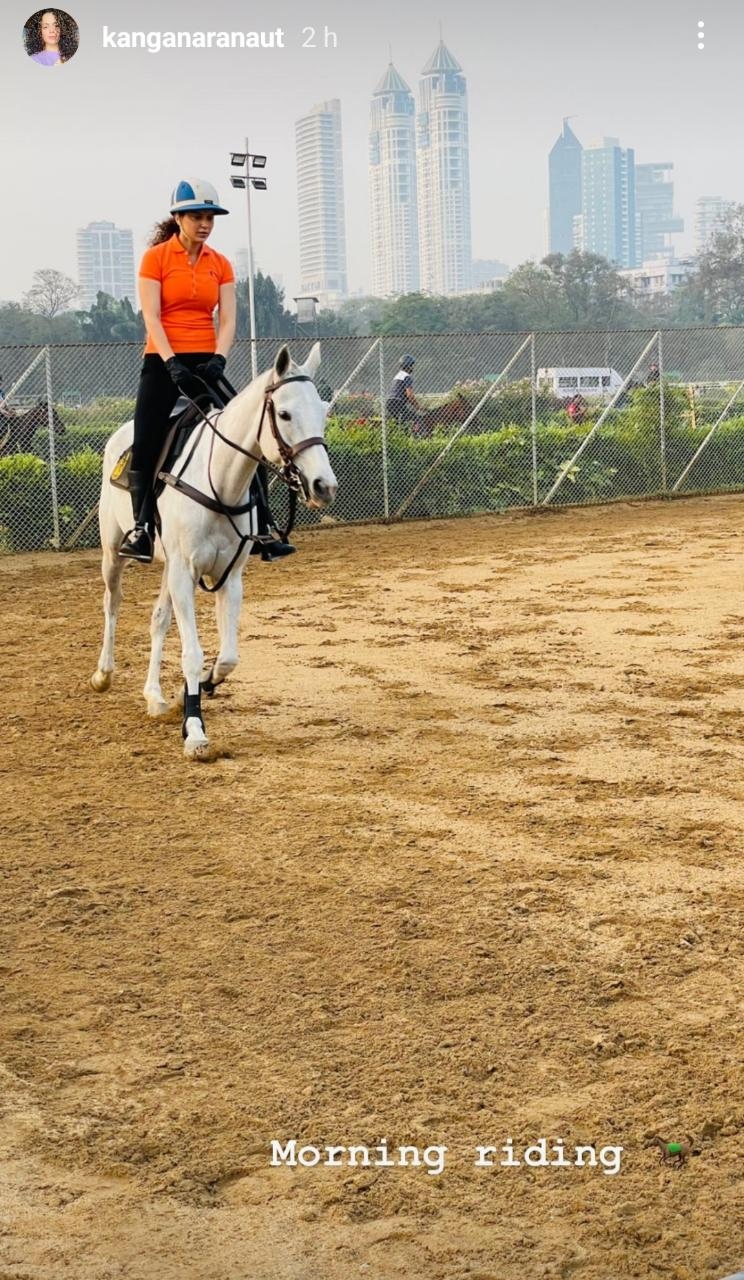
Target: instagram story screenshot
[(372, 625)]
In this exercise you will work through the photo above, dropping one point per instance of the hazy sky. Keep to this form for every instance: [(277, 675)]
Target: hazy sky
[(107, 135)]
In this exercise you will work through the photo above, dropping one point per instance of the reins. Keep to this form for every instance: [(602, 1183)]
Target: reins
[(288, 472)]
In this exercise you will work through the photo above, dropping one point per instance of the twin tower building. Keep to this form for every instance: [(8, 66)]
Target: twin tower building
[(419, 188)]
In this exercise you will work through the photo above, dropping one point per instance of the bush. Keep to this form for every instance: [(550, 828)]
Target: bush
[(74, 440), (25, 502), (355, 405), (489, 471), (105, 409)]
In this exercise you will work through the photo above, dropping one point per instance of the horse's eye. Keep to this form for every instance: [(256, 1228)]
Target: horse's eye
[(286, 417)]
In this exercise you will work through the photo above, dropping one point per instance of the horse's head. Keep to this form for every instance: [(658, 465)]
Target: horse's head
[(298, 424)]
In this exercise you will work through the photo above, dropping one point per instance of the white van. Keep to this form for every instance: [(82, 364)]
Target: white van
[(568, 382)]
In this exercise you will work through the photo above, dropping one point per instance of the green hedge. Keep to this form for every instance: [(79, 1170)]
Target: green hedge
[(26, 521), (491, 471)]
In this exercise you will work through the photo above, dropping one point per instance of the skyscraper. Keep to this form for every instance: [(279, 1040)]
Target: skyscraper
[(655, 208), (105, 258), (564, 184), (443, 175), (710, 213), (609, 223), (392, 188), (320, 195)]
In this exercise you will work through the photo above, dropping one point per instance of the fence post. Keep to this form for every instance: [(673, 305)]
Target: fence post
[(405, 504), (383, 426), (533, 379), (52, 454), (662, 407), (353, 373), (704, 443)]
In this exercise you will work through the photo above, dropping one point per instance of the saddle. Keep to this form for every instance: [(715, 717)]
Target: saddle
[(183, 419)]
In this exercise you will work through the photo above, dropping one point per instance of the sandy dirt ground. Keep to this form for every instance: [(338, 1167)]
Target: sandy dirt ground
[(467, 867)]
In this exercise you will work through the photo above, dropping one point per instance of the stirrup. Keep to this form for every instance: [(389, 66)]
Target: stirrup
[(272, 549), (137, 544)]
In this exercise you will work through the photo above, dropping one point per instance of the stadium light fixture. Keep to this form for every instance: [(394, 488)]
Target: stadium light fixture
[(246, 160)]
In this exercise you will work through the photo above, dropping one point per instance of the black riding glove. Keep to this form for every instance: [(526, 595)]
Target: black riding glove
[(183, 378), (214, 368)]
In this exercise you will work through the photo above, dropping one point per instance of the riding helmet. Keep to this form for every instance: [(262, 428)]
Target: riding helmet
[(194, 195)]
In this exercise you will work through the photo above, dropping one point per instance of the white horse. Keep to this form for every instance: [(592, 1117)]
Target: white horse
[(279, 416)]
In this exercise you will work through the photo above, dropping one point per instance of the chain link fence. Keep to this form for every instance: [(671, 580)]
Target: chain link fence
[(501, 421)]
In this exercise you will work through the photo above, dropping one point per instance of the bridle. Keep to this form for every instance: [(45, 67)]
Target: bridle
[(287, 452), (288, 471)]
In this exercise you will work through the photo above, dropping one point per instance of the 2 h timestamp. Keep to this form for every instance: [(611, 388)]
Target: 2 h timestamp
[(317, 38)]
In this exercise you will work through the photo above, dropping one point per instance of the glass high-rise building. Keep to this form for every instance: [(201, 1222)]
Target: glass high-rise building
[(105, 259), (609, 222), (564, 184), (443, 169), (710, 214), (655, 208), (320, 196), (392, 188)]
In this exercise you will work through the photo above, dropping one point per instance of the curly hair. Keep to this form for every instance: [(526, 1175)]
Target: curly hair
[(68, 33), (164, 230)]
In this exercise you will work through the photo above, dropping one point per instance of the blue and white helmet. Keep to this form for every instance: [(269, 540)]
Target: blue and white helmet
[(194, 195)]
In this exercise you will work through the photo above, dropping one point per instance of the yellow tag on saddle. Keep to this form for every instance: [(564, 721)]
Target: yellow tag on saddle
[(120, 473)]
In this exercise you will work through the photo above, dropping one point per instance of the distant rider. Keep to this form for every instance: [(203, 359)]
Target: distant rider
[(401, 404)]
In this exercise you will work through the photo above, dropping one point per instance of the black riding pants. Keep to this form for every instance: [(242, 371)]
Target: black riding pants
[(156, 396)]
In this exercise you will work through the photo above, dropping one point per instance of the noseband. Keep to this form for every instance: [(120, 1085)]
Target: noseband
[(287, 452)]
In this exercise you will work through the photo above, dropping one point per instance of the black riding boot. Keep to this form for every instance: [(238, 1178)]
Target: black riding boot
[(275, 549), (138, 543)]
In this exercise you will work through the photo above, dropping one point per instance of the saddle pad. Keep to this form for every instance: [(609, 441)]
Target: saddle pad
[(120, 474), (179, 432)]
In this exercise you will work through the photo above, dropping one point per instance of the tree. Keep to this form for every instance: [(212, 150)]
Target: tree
[(353, 316), (477, 312), (715, 293), (536, 297), (51, 292), (111, 320), (415, 313), (272, 318), (594, 295), (20, 326)]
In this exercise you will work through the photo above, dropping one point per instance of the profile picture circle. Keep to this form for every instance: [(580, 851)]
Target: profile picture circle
[(51, 37)]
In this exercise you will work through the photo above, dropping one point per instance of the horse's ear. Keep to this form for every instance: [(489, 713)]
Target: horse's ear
[(282, 362), (312, 364)]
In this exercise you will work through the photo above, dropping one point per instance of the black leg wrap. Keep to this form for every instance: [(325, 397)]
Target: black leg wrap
[(191, 707), (209, 685)]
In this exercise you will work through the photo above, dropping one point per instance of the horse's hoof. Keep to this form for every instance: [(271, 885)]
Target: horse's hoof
[(101, 681), (157, 707), (200, 751)]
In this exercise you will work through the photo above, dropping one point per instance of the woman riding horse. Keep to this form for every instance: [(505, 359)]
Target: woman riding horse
[(181, 282)]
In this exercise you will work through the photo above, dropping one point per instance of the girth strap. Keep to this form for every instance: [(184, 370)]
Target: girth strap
[(204, 500)]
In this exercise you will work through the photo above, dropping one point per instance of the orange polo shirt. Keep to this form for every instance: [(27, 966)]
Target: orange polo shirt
[(188, 295)]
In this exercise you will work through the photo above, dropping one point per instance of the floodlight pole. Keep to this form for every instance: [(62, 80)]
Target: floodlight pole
[(251, 290)]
